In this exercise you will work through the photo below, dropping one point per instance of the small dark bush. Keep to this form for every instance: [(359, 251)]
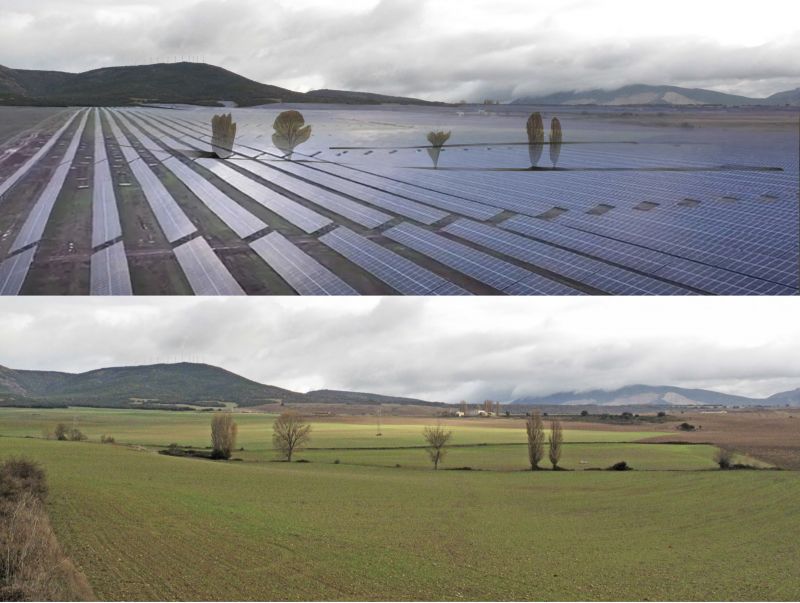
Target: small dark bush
[(18, 476), (303, 461), (661, 413), (686, 427), (724, 458), (336, 462), (60, 432), (621, 466), (104, 439), (584, 413), (76, 435), (219, 455)]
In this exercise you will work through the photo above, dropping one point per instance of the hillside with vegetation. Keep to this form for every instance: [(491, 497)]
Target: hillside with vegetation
[(169, 83)]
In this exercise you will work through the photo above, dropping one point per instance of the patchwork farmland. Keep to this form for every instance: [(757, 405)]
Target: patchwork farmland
[(132, 201), (363, 517)]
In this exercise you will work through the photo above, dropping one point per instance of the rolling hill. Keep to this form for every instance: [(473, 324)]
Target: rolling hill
[(189, 83), (641, 94), (173, 385), (161, 385)]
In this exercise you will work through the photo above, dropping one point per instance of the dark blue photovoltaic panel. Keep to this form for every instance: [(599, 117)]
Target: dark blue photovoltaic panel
[(496, 273), (303, 273), (109, 272), (606, 278), (401, 274)]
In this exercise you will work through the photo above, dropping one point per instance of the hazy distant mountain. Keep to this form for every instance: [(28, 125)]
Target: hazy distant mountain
[(790, 97), (160, 385), (329, 396), (643, 395), (781, 399), (189, 83), (641, 94), (165, 385), (362, 98)]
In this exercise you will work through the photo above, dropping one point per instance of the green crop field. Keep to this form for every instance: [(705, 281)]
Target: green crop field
[(190, 428), (144, 526)]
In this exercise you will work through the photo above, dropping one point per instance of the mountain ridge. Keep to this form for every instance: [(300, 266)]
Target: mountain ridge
[(176, 83), (163, 385), (171, 385), (645, 94), (654, 395)]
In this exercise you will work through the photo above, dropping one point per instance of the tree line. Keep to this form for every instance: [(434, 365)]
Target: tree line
[(290, 433), (437, 440)]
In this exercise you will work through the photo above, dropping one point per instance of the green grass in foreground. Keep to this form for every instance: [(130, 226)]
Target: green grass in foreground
[(146, 526)]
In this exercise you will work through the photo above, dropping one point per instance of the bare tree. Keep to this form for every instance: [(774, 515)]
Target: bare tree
[(463, 407), (223, 435), (556, 438), (535, 430), (437, 439), (290, 433)]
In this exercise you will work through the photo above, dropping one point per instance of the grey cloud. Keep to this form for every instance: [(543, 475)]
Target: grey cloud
[(393, 47), (436, 349)]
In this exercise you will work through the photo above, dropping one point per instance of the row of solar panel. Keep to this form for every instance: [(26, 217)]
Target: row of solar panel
[(760, 284)]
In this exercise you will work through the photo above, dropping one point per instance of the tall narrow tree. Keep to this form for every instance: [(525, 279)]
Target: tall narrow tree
[(535, 128), (535, 431), (556, 438), (223, 434), (556, 138), (223, 135)]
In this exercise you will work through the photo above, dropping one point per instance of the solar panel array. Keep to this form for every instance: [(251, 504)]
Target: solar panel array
[(14, 270), (109, 271), (7, 184), (305, 274), (307, 220), (33, 228), (581, 269), (492, 271), (403, 275), (356, 212), (618, 219), (205, 272), (105, 216), (173, 221)]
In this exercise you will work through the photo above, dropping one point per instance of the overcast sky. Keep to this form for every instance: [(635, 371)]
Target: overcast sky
[(437, 49), (439, 349)]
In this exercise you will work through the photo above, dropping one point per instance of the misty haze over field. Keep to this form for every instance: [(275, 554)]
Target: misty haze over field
[(437, 349), (440, 50)]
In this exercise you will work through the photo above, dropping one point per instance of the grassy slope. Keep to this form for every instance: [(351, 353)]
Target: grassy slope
[(144, 526)]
